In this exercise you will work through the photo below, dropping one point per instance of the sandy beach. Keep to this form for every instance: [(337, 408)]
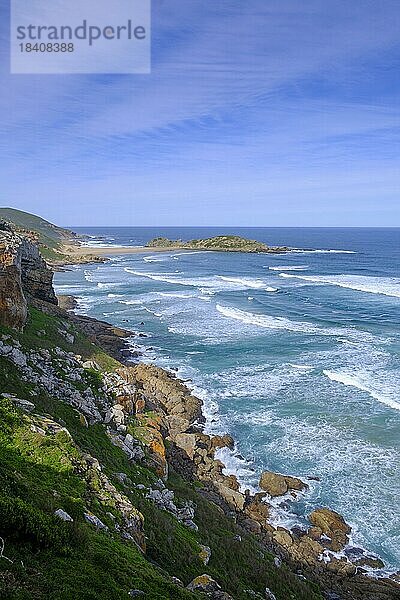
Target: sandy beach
[(76, 251)]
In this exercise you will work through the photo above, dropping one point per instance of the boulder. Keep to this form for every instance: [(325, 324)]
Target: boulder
[(223, 441), (64, 516), (187, 442), (369, 561), (257, 510), (269, 595), (276, 484), (203, 583), (93, 520), (235, 499), (23, 404), (332, 525)]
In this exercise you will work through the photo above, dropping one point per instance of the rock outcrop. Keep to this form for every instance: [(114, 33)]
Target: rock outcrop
[(23, 273), (331, 524), (276, 484), (13, 306)]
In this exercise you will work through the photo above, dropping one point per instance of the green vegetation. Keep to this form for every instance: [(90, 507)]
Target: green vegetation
[(221, 243), (48, 234), (47, 331), (49, 237), (40, 473)]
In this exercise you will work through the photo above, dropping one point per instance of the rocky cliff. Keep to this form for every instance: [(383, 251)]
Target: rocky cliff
[(23, 273)]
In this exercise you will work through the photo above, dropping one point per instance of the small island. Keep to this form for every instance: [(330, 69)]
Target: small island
[(220, 243)]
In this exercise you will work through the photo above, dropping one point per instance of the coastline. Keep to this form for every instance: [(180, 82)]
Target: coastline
[(159, 423), (88, 251), (324, 555)]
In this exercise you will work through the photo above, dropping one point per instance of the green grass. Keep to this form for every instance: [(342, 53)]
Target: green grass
[(49, 234), (50, 237), (43, 331), (62, 561)]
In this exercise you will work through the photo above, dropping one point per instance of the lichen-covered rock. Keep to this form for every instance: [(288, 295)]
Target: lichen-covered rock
[(205, 554), (204, 583), (148, 430)]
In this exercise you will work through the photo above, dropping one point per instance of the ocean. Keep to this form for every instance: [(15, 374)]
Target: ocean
[(296, 355)]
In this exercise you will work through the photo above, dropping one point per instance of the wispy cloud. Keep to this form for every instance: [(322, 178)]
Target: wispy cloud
[(246, 103)]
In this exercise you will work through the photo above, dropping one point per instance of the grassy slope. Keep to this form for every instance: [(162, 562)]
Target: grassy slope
[(50, 236), (63, 561)]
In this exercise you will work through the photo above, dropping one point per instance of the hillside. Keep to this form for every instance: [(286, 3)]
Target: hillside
[(50, 238), (221, 243)]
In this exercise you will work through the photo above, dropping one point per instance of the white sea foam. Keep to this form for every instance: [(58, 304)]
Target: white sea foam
[(133, 302), (256, 284), (301, 367), (269, 322), (188, 253), (177, 295), (71, 289), (209, 285), (387, 286), (108, 285), (299, 251), (288, 268), (379, 388), (237, 465), (152, 259), (255, 382)]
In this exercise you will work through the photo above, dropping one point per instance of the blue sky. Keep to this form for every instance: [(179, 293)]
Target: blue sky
[(264, 113)]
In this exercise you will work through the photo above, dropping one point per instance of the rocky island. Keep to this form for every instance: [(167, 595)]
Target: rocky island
[(109, 487), (220, 243)]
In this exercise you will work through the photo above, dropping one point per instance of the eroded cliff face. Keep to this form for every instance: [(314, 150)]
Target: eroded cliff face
[(23, 273)]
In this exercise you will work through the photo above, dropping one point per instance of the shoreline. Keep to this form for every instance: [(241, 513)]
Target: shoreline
[(232, 495), (88, 251)]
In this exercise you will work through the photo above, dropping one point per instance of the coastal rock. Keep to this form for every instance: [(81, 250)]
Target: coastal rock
[(258, 510), (276, 484), (332, 525), (369, 561), (223, 441), (233, 498), (162, 390), (13, 305), (23, 272), (147, 429)]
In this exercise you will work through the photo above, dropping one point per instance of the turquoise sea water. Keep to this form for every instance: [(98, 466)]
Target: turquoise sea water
[(296, 355)]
